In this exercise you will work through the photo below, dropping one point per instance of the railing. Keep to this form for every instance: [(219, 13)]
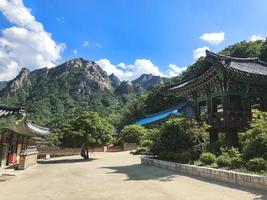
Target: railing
[(231, 119)]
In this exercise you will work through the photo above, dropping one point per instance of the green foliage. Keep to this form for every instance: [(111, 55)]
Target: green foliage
[(141, 151), (263, 52), (244, 49), (132, 134), (207, 158), (86, 129), (257, 164), (223, 160), (177, 135), (255, 144)]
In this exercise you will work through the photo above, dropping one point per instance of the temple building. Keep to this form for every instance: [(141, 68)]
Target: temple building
[(224, 91), (17, 136)]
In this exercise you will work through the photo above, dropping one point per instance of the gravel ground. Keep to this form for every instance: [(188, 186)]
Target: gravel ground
[(117, 176)]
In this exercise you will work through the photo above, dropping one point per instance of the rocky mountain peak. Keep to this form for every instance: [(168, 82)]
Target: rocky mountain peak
[(148, 80), (114, 80), (17, 84)]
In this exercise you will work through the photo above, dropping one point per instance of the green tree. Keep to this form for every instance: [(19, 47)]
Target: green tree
[(255, 144), (132, 134), (88, 129), (178, 135), (263, 52)]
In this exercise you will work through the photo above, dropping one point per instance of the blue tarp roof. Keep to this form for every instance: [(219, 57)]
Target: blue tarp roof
[(161, 115)]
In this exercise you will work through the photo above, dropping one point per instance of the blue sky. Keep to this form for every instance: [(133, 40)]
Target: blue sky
[(124, 36)]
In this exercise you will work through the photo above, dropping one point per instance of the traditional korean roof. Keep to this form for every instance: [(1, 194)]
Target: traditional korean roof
[(244, 68), (22, 126), (156, 117), (6, 111)]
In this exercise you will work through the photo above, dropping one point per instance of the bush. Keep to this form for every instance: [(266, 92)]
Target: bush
[(255, 144), (132, 134), (257, 164), (207, 158), (184, 157), (146, 143), (223, 161), (163, 155), (141, 151)]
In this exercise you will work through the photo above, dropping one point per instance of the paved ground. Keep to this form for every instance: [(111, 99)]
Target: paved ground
[(117, 176)]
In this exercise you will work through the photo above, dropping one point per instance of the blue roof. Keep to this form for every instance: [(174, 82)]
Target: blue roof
[(161, 115)]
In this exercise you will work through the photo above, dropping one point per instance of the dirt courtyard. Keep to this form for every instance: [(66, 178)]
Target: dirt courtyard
[(118, 176)]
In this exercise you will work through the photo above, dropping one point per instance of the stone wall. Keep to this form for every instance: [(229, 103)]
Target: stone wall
[(129, 146), (248, 180), (27, 160)]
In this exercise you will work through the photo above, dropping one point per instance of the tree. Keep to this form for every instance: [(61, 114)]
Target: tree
[(178, 135), (255, 144), (133, 134), (88, 129), (263, 52)]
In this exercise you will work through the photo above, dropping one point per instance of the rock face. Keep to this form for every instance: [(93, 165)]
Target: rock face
[(114, 80), (17, 85), (88, 75), (148, 80), (125, 87)]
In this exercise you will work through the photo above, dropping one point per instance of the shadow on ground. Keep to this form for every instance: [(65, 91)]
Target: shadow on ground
[(65, 161), (140, 172)]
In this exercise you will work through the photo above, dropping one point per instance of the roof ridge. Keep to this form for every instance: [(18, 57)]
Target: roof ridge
[(218, 56)]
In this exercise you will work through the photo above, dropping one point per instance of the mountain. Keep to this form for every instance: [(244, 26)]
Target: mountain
[(148, 80), (114, 80), (18, 84), (126, 87), (74, 86)]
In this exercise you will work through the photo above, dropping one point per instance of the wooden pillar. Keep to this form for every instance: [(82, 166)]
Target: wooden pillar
[(226, 103), (231, 136), (213, 136), (264, 104), (1, 148)]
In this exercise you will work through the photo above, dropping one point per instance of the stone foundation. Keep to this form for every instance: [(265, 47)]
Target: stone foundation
[(242, 179), (27, 160)]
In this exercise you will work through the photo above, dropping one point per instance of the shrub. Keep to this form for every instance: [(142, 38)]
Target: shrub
[(257, 164), (207, 158), (184, 157), (255, 144), (171, 156), (163, 155), (223, 161), (180, 134), (146, 143), (141, 151), (132, 134)]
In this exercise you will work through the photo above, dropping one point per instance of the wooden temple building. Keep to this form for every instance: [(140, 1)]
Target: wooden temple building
[(224, 91), (17, 136)]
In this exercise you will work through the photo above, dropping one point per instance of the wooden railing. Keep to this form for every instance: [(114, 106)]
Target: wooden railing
[(227, 119)]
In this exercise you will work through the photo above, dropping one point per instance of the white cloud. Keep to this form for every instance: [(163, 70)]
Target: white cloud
[(139, 67), (256, 37), (199, 52), (174, 70), (75, 51), (122, 65), (213, 38), (26, 43), (85, 44), (98, 45), (132, 71), (60, 19)]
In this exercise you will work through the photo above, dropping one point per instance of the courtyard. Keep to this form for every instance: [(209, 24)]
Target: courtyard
[(113, 176)]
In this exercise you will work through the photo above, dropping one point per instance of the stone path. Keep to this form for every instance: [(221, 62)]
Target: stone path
[(113, 176)]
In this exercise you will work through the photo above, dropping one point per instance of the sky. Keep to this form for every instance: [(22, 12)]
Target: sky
[(125, 37)]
